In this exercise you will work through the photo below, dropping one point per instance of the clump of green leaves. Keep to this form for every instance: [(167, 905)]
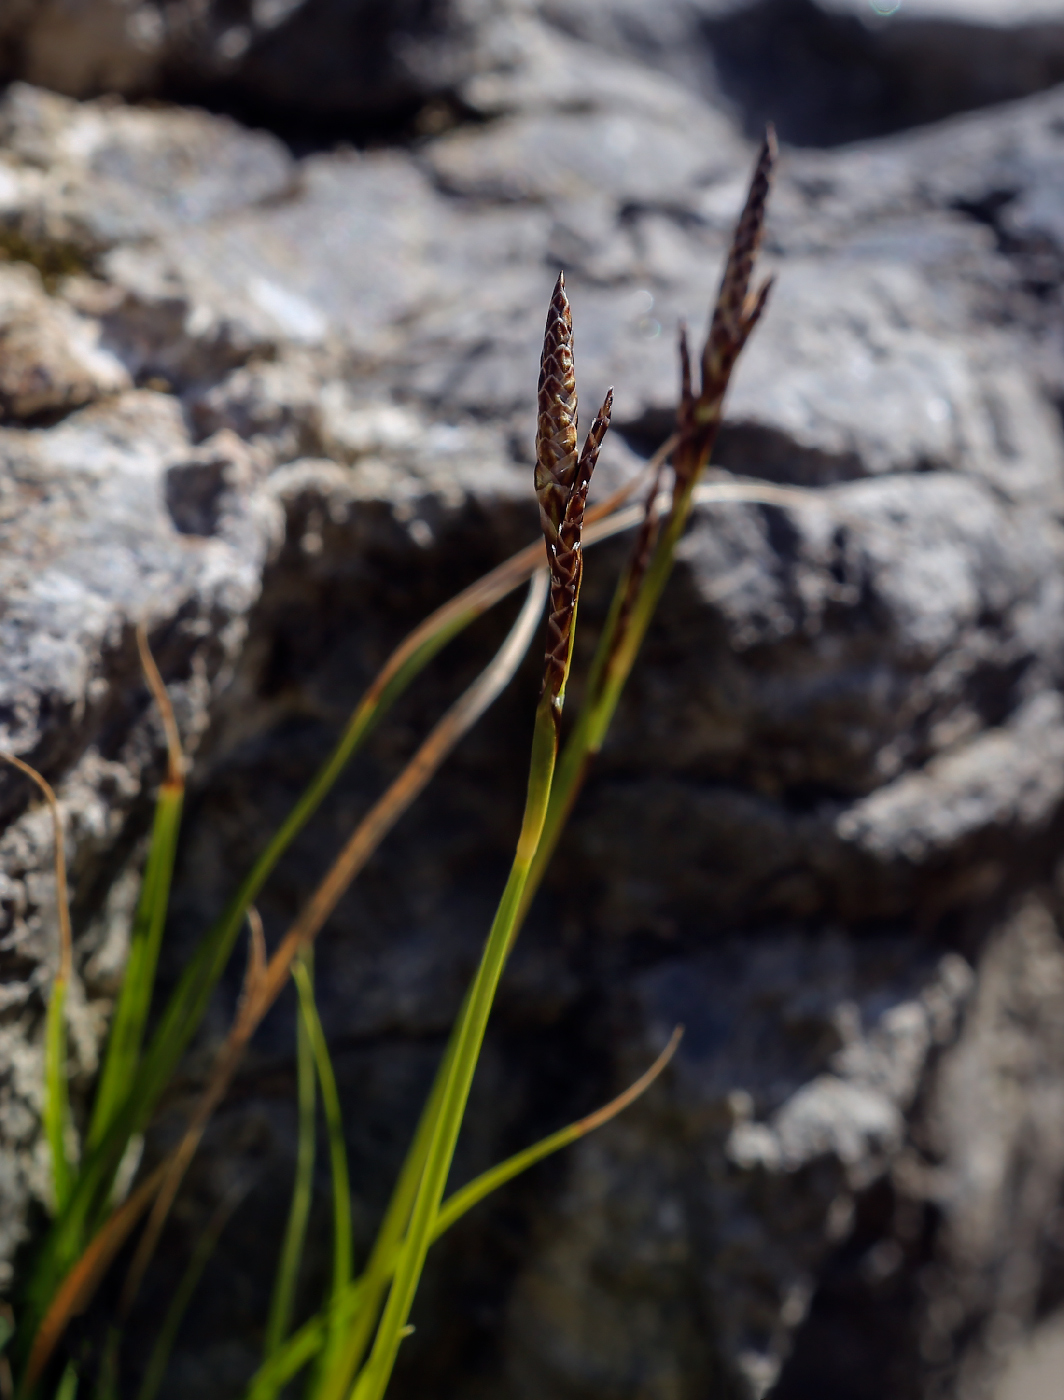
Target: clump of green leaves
[(349, 1347)]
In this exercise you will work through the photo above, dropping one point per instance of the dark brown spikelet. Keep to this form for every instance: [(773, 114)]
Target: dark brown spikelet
[(685, 362), (566, 558), (685, 422), (736, 312), (556, 424)]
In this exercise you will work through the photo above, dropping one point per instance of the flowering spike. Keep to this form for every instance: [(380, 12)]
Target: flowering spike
[(731, 324), (556, 427), (566, 559)]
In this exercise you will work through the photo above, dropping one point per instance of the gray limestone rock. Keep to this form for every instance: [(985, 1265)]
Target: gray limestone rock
[(826, 70), (800, 1063), (278, 409), (76, 180), (90, 549), (335, 58), (831, 71), (51, 359)]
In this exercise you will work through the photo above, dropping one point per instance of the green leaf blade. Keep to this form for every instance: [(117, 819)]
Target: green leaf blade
[(134, 1001), (56, 1114), (280, 1314)]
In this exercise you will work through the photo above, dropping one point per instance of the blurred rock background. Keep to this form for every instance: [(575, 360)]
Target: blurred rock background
[(270, 302)]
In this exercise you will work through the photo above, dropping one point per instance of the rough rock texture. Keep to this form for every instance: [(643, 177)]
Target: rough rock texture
[(354, 59), (89, 550), (829, 71), (826, 71), (278, 409)]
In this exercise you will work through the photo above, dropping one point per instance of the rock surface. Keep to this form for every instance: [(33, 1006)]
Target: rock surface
[(826, 71), (342, 58), (277, 409)]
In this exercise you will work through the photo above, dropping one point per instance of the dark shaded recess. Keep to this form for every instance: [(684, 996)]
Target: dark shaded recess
[(751, 449), (195, 494), (1036, 254), (860, 1339), (363, 71), (757, 450), (318, 637), (828, 79), (371, 71), (315, 639), (525, 1089), (357, 70)]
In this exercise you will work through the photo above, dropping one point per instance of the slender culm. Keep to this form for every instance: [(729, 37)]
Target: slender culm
[(556, 424), (642, 551)]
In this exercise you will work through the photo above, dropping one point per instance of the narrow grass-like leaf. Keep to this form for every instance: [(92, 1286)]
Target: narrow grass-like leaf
[(248, 1016), (77, 1289), (134, 1001), (185, 1010), (307, 1342), (279, 1319), (300, 1349), (175, 1313), (302, 972), (465, 1199), (561, 485), (456, 1085), (56, 1113), (49, 1280), (67, 1388), (334, 1382)]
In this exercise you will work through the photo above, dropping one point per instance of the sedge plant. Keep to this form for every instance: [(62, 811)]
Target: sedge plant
[(562, 480), (349, 1346)]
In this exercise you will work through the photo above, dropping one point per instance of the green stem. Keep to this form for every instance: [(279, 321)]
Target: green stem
[(56, 1114), (330, 1099), (614, 657), (377, 1373), (336, 1382), (280, 1314), (67, 1388), (134, 1001), (307, 1342)]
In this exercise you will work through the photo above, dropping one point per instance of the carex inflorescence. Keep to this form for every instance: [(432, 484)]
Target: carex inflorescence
[(562, 479), (736, 313)]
